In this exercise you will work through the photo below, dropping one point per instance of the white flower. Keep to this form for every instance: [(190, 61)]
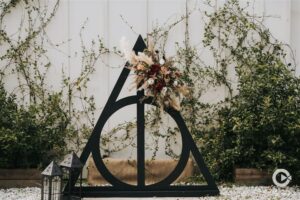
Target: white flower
[(164, 90), (175, 83), (150, 81), (161, 61)]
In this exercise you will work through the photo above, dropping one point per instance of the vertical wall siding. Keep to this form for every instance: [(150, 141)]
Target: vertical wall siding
[(102, 17), (295, 32)]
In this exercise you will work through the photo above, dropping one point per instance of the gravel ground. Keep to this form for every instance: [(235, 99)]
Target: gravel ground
[(227, 193)]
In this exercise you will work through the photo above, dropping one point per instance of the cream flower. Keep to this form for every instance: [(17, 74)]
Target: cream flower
[(140, 67), (150, 81), (161, 61), (133, 59), (144, 58), (175, 83), (165, 70), (164, 90)]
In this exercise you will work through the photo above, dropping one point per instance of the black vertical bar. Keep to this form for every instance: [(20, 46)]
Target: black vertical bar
[(42, 190), (61, 188), (70, 181), (201, 164), (50, 188), (80, 184), (139, 47), (140, 140), (55, 184)]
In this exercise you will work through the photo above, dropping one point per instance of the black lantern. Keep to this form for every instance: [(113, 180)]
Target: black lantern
[(71, 166), (52, 182)]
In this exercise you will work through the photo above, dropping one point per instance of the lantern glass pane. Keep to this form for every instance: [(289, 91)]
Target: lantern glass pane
[(45, 188), (56, 188), (65, 178)]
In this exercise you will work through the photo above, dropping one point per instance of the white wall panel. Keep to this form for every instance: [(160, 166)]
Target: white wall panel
[(134, 12), (163, 13), (103, 19), (278, 18), (295, 32), (91, 14), (58, 55)]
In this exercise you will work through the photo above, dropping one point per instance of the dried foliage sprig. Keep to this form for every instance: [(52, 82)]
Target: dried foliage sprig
[(158, 77)]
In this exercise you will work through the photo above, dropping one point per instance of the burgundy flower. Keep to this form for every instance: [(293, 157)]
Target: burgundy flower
[(159, 85), (154, 69)]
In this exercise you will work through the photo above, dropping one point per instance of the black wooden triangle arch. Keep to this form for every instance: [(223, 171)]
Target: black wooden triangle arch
[(162, 188)]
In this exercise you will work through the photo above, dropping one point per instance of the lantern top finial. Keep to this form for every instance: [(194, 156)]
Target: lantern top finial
[(52, 170), (71, 161)]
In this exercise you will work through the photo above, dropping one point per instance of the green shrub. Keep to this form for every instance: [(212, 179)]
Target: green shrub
[(36, 124), (27, 138), (260, 126)]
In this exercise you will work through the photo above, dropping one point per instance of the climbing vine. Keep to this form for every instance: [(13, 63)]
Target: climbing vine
[(256, 125), (258, 120), (24, 57)]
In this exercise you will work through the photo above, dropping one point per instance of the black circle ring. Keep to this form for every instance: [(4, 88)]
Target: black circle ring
[(184, 153)]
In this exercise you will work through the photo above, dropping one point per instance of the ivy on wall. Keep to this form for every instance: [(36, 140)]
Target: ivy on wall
[(257, 125), (45, 118)]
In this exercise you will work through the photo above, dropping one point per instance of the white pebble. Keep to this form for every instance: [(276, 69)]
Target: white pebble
[(227, 192)]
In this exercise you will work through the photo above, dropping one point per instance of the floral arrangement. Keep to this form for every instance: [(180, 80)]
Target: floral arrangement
[(157, 76)]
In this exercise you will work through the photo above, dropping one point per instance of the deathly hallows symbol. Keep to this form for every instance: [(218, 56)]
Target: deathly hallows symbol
[(162, 188)]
